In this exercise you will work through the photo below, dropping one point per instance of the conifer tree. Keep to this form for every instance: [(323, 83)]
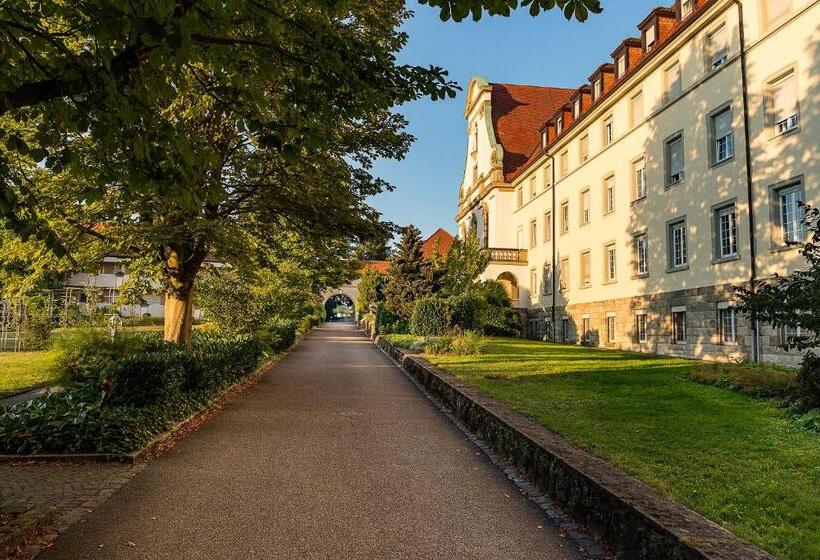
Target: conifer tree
[(409, 277)]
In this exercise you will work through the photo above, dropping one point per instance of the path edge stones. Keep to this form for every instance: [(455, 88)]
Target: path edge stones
[(634, 520)]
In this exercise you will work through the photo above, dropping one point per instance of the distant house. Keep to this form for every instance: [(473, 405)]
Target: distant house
[(440, 241)]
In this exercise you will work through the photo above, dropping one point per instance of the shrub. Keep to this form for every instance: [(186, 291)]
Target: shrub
[(429, 317), (808, 382), (468, 344), (147, 378), (503, 322), (437, 345), (88, 352), (387, 323), (758, 380), (465, 311)]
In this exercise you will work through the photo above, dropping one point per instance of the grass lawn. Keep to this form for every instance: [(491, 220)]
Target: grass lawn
[(21, 370), (738, 460)]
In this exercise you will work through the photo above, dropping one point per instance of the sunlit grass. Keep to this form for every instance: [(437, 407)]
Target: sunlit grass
[(738, 460), (22, 370)]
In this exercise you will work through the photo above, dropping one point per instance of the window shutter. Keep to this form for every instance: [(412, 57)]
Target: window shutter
[(784, 98)]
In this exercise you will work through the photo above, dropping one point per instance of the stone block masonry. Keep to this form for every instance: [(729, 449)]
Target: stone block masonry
[(634, 520), (703, 338)]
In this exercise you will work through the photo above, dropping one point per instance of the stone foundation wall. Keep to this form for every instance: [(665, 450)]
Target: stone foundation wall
[(703, 340)]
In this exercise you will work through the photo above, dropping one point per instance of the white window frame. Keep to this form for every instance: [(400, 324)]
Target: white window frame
[(790, 214), (586, 269), (678, 244), (611, 262), (727, 231), (790, 120), (611, 324), (639, 178), (608, 131), (564, 224), (673, 178), (641, 241), (641, 327), (533, 233), (679, 330), (586, 206), (727, 324), (717, 54), (547, 226)]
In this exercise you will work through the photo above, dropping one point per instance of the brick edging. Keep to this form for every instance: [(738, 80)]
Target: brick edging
[(633, 519)]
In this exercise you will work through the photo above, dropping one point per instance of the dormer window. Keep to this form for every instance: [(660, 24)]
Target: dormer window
[(544, 139), (576, 108), (621, 65), (559, 125), (649, 38), (598, 88), (686, 8)]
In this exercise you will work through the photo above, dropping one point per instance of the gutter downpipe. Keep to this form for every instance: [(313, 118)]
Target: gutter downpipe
[(553, 264), (749, 181)]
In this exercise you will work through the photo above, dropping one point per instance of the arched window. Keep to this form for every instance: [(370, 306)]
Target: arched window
[(486, 226)]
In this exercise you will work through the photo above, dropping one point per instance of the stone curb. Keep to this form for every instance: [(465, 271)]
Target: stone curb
[(633, 519)]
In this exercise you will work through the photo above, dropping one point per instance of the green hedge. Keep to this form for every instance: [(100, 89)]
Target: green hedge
[(131, 401), (430, 317)]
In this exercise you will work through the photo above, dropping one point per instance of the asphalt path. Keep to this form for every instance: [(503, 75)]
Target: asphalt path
[(334, 455)]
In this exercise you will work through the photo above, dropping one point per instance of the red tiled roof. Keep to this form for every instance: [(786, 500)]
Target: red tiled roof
[(518, 112), (379, 266), (445, 241)]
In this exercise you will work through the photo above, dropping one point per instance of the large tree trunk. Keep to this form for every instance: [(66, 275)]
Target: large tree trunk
[(179, 316), (181, 267)]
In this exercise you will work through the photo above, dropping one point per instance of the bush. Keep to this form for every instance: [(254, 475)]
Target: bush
[(429, 317), (757, 380), (808, 382), (147, 378), (465, 311), (387, 323), (437, 345), (88, 352), (503, 322), (146, 392), (468, 344)]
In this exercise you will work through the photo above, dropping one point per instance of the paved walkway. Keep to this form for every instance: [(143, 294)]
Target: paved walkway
[(335, 455)]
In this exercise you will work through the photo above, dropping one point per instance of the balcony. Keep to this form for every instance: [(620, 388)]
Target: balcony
[(515, 256)]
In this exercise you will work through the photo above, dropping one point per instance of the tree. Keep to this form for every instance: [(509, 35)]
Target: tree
[(371, 284), (465, 263), (374, 249), (793, 302), (211, 168), (409, 277)]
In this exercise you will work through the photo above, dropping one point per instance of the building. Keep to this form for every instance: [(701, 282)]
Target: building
[(622, 213)]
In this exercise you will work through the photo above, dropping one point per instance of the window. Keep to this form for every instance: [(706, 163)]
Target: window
[(726, 225), (583, 149), (640, 327), (533, 282), (790, 214), (563, 274), (674, 160), (546, 287), (672, 79), (565, 329), (678, 256), (792, 335), (720, 126), (641, 255), (475, 173), (649, 38), (565, 216), (727, 323), (544, 138), (609, 194), (776, 10), (585, 266), (636, 109), (585, 211), (686, 8), (586, 330), (717, 47), (519, 197), (563, 164), (475, 137), (610, 328), (679, 325), (639, 178), (547, 178), (608, 131), (533, 234), (547, 227), (559, 125), (784, 113), (621, 65), (533, 187), (576, 108), (598, 88), (611, 263), (519, 237)]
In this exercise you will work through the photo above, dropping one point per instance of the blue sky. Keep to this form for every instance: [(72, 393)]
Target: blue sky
[(545, 50)]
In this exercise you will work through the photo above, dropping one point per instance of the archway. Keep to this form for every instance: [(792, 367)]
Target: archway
[(510, 283), (339, 307)]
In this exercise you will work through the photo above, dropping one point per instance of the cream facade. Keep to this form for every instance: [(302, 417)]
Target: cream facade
[(649, 193)]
